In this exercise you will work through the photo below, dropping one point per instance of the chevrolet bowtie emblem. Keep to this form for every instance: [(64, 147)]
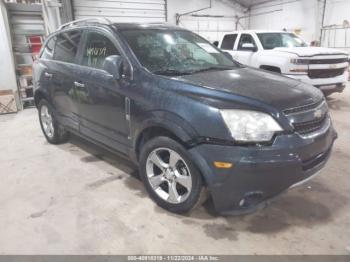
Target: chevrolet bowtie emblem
[(318, 113)]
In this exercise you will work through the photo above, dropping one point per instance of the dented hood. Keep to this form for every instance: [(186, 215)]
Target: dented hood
[(269, 88)]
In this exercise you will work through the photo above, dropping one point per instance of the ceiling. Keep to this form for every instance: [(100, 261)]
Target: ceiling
[(250, 3)]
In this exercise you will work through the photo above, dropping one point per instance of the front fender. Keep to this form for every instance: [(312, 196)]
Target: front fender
[(161, 119), (276, 60), (167, 120)]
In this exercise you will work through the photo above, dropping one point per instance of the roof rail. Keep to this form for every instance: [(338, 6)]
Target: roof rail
[(100, 20)]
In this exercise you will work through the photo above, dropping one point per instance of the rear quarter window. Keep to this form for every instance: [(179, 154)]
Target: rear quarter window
[(48, 49), (228, 42)]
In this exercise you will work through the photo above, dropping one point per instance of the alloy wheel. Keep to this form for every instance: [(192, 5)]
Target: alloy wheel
[(47, 121), (169, 175)]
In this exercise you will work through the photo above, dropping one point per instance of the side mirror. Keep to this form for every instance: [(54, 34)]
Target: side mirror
[(114, 65), (249, 47), (216, 43)]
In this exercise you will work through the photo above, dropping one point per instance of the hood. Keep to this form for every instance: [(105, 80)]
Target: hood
[(269, 88), (311, 51)]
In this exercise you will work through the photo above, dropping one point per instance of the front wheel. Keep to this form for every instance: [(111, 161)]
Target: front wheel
[(169, 175)]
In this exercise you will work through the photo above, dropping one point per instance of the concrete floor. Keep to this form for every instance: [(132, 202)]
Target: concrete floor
[(78, 199)]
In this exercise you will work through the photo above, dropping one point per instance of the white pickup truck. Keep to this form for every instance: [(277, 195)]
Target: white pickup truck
[(285, 53)]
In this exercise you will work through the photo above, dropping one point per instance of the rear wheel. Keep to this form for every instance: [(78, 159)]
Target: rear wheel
[(169, 175), (54, 133)]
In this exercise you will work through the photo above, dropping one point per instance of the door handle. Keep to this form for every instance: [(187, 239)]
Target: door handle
[(78, 84), (48, 75)]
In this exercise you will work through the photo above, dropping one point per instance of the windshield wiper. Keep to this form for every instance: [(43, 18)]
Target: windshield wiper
[(171, 72), (212, 68)]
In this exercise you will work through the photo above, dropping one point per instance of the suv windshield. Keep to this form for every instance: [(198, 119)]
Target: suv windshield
[(273, 40), (175, 52)]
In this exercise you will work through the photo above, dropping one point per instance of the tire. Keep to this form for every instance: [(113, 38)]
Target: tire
[(53, 131), (181, 175)]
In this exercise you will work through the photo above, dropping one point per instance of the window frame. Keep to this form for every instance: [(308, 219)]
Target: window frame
[(234, 42), (239, 42)]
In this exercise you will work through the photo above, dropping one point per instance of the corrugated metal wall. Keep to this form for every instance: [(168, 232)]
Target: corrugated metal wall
[(27, 30), (25, 20), (210, 28), (122, 11)]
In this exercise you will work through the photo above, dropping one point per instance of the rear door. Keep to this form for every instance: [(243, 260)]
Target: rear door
[(62, 78), (242, 55), (42, 67), (228, 43), (102, 100)]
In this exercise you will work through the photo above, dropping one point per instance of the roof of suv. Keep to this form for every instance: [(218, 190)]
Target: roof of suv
[(146, 26), (106, 22)]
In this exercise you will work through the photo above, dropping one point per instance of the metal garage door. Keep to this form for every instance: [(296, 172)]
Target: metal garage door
[(122, 11), (27, 30)]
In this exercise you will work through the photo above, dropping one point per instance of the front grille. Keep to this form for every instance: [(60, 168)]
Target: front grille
[(325, 73), (328, 61), (309, 118), (302, 108), (308, 127)]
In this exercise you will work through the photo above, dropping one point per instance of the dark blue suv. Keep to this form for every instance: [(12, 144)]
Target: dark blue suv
[(189, 116)]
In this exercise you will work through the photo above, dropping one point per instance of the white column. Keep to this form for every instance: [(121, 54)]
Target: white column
[(7, 67)]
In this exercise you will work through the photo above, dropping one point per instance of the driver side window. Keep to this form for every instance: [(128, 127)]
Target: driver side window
[(97, 48), (245, 39)]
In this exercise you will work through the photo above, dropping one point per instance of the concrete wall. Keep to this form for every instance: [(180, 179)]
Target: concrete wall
[(304, 16), (297, 15), (7, 73), (212, 28), (337, 12)]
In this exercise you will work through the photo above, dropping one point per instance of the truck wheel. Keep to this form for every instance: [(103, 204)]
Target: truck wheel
[(170, 177), (54, 133)]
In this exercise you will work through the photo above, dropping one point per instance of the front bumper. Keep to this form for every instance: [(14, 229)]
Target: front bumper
[(260, 172), (326, 85)]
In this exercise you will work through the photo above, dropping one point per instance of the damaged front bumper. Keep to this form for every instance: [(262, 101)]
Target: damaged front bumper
[(260, 173)]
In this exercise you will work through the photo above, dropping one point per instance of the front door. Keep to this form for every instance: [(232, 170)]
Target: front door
[(242, 55), (102, 100)]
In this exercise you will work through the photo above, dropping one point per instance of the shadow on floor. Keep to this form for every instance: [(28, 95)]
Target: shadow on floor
[(338, 104), (129, 171), (306, 206)]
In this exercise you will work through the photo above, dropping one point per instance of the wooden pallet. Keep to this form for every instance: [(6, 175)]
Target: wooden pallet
[(7, 102)]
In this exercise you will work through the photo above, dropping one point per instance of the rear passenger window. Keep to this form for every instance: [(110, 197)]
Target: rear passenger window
[(48, 49), (97, 48), (66, 46), (228, 42)]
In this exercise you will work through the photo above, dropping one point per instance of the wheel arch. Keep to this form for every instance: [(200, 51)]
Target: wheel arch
[(165, 129), (39, 95), (159, 128), (271, 68)]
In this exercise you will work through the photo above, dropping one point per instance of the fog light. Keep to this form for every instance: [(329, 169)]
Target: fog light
[(223, 165), (298, 70), (251, 199)]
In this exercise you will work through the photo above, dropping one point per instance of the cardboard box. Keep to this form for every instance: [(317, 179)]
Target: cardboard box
[(7, 102)]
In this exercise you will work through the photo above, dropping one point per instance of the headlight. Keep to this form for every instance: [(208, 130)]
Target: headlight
[(300, 61), (250, 126)]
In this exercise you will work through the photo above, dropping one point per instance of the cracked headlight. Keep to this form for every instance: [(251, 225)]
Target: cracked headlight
[(250, 126)]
